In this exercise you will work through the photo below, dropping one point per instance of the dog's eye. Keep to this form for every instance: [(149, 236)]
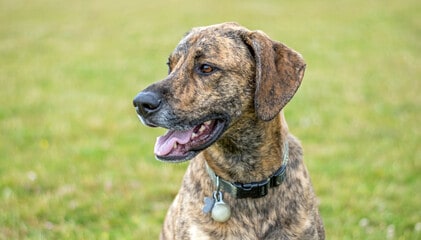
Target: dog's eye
[(206, 69)]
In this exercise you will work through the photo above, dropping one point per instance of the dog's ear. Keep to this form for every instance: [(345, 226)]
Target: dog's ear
[(279, 71)]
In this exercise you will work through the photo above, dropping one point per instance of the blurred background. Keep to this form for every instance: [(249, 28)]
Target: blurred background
[(75, 163)]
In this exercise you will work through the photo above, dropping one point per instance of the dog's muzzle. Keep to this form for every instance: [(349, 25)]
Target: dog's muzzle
[(184, 139)]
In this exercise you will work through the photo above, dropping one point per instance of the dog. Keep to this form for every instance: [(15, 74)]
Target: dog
[(222, 103)]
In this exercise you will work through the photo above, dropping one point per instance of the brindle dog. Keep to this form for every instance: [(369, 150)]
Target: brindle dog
[(222, 103)]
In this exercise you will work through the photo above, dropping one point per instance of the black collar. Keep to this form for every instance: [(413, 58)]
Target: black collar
[(253, 189)]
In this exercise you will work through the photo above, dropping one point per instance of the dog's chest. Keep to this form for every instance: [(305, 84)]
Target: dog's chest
[(196, 233)]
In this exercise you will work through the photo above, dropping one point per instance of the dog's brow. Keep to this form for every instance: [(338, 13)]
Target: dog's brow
[(199, 54)]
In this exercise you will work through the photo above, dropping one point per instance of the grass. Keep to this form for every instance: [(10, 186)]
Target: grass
[(76, 164)]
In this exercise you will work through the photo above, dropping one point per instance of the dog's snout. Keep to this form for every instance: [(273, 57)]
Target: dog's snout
[(147, 103)]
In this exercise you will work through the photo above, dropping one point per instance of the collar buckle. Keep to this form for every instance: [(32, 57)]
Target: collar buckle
[(252, 190)]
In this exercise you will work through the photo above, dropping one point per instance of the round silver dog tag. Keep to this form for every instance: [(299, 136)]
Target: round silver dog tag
[(221, 212)]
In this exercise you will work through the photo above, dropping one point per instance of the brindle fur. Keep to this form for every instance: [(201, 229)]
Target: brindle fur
[(254, 80)]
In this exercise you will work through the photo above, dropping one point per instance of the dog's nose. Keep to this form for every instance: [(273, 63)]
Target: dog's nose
[(147, 103)]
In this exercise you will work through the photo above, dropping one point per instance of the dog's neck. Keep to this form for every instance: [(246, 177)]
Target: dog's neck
[(249, 151)]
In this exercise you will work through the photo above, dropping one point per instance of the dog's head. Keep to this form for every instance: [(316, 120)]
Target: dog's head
[(217, 74)]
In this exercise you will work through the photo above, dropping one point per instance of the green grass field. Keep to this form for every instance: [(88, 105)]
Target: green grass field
[(75, 163)]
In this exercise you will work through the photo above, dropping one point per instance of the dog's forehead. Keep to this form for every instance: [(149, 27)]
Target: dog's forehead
[(210, 38)]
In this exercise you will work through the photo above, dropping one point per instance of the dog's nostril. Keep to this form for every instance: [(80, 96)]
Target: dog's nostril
[(147, 102), (149, 106)]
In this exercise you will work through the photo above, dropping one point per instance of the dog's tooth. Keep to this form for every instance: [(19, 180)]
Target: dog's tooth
[(207, 123), (175, 145), (202, 128), (193, 135)]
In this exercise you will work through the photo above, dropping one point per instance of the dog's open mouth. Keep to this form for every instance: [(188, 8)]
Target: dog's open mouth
[(178, 145)]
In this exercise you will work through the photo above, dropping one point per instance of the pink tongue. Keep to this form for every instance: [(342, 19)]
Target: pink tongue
[(164, 144)]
